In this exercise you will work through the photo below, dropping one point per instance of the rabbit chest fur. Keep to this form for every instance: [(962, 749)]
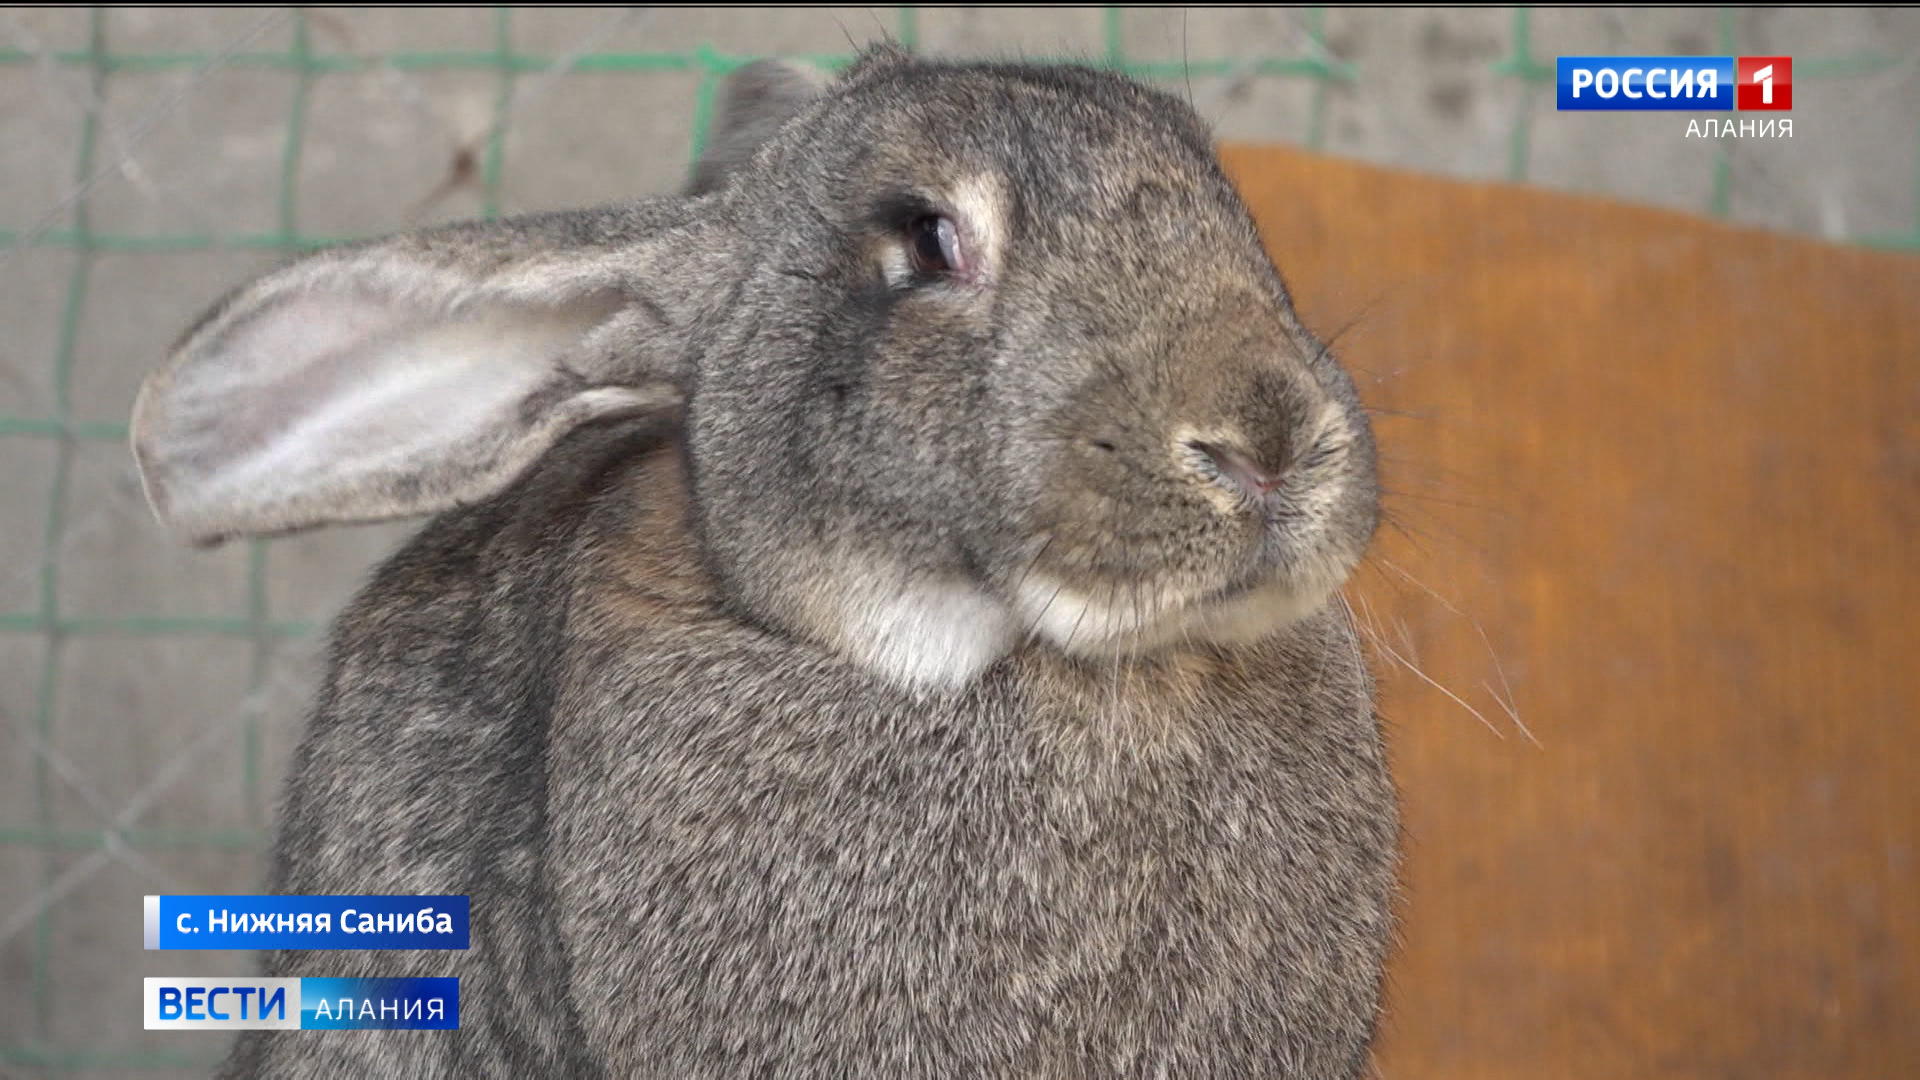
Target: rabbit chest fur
[(1055, 873), (697, 849)]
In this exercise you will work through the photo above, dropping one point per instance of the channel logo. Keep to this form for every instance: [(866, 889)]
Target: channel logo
[(1681, 83), (1765, 83), (232, 1003)]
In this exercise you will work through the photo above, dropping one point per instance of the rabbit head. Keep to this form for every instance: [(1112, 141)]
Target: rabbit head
[(965, 353)]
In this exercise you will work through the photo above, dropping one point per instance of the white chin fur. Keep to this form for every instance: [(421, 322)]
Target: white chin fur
[(935, 634), (940, 634), (1086, 625)]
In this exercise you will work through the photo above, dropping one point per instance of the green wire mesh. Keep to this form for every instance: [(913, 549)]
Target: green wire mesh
[(305, 65)]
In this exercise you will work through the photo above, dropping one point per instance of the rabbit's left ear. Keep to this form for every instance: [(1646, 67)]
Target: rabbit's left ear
[(413, 374)]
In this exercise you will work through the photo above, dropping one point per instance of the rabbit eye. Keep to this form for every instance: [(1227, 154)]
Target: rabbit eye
[(935, 245)]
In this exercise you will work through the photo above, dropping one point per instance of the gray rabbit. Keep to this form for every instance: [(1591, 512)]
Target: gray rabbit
[(880, 620)]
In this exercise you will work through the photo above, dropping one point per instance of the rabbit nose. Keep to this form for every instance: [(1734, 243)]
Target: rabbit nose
[(1239, 469)]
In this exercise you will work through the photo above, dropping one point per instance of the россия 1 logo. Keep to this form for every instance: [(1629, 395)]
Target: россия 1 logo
[(1688, 83), (1765, 83)]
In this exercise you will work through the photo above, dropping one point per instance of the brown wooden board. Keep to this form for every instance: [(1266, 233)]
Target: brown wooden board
[(1672, 470)]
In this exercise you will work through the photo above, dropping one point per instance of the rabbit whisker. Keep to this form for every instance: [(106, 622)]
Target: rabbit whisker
[(1380, 642)]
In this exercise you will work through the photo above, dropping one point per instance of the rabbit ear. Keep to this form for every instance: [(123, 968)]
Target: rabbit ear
[(409, 375), (758, 99)]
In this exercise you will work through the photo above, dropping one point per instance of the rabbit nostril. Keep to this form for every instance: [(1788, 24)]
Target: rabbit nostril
[(1240, 470)]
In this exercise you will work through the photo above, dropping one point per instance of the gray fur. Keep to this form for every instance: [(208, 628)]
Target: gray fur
[(744, 722)]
